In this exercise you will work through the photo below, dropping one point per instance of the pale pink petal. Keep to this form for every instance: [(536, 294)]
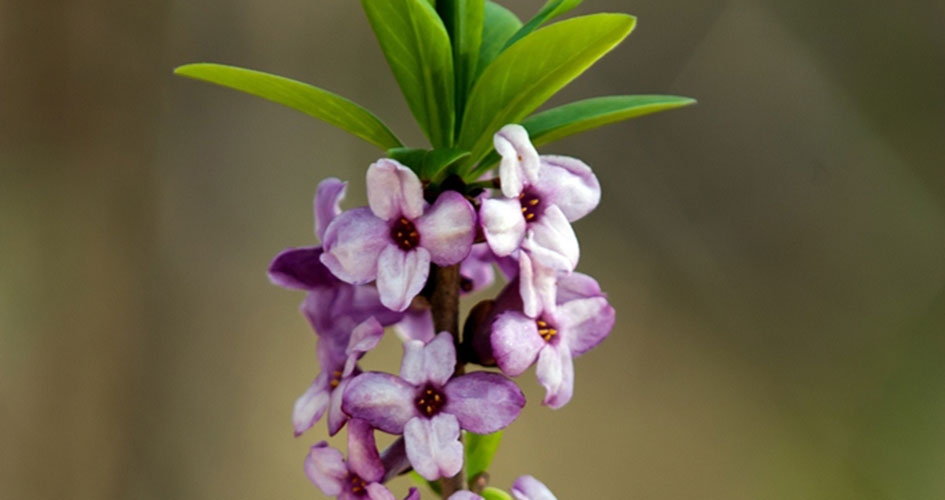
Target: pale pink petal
[(448, 228), (401, 275), (416, 325), (502, 224), (433, 446), (328, 198), (552, 241), (394, 190), (325, 467), (520, 162), (336, 417), (430, 363), (352, 244), (584, 323), (364, 338), (413, 494), (537, 285), (377, 491), (577, 286), (311, 405), (363, 458), (515, 342), (464, 495), (483, 402), (384, 400), (555, 373), (529, 488), (569, 184)]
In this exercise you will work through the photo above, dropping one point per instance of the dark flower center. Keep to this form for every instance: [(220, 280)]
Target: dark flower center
[(430, 401), (404, 234), (531, 204), (547, 331), (358, 485)]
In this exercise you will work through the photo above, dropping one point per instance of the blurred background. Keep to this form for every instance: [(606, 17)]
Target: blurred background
[(776, 254)]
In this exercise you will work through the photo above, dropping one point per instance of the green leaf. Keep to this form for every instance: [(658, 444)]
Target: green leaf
[(418, 50), (479, 452), (490, 493), (499, 25), (558, 123), (303, 97), (551, 10), (436, 163), (531, 71), (463, 20)]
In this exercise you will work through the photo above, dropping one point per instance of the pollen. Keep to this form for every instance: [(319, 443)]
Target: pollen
[(404, 234), (531, 205), (430, 401), (546, 330)]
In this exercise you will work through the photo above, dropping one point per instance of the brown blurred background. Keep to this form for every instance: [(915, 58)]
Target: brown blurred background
[(775, 254)]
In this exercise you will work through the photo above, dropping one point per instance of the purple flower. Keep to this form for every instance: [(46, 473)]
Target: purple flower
[(464, 495), (358, 478), (338, 367), (581, 320), (529, 488), (429, 407), (395, 239), (542, 196)]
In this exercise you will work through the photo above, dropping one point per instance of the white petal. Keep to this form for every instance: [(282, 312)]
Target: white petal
[(520, 162), (401, 275), (448, 229), (433, 446), (503, 224), (394, 190)]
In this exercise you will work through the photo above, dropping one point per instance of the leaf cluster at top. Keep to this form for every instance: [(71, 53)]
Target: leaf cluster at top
[(466, 68)]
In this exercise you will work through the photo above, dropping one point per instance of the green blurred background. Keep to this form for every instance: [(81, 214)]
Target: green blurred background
[(776, 254)]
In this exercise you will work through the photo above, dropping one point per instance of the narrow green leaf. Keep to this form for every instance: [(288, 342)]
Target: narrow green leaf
[(313, 101), (436, 163), (418, 50), (581, 116), (434, 486), (463, 20), (551, 10), (499, 25), (409, 157), (480, 449), (490, 493), (534, 69)]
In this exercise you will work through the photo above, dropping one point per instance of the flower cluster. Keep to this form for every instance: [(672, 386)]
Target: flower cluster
[(375, 268)]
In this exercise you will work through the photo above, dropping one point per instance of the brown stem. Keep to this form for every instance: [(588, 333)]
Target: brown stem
[(445, 308)]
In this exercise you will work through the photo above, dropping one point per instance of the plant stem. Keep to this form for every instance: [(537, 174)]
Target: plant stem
[(445, 308)]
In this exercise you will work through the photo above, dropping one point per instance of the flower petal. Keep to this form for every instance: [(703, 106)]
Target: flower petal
[(529, 488), (311, 405), (377, 491), (552, 241), (484, 402), (556, 374), (352, 244), (520, 162), (477, 267), (464, 495), (364, 338), (515, 342), (394, 190), (433, 446), (336, 416), (325, 467), (448, 228), (328, 198), (502, 224), (384, 400), (363, 458), (401, 275), (570, 184), (417, 324), (537, 285), (577, 286), (300, 269), (433, 362), (584, 323), (413, 494)]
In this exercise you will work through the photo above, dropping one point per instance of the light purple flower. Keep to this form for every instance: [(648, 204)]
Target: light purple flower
[(464, 495), (338, 367), (542, 196), (357, 478), (581, 320), (398, 236), (529, 488), (429, 407)]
